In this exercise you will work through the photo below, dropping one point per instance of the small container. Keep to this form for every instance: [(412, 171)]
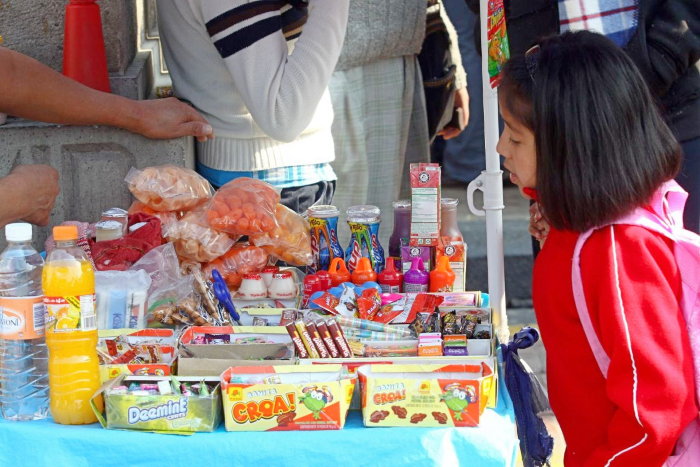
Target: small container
[(390, 279), (448, 221), (442, 278), (339, 272), (282, 286), (325, 280), (108, 230), (312, 284), (363, 272), (416, 279), (267, 273), (117, 215), (252, 287)]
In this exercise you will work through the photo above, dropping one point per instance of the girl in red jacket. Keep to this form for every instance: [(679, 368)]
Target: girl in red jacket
[(582, 133)]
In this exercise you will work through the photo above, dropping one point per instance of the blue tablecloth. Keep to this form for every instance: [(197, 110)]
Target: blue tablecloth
[(493, 443)]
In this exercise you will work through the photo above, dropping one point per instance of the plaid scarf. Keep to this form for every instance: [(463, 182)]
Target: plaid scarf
[(616, 19)]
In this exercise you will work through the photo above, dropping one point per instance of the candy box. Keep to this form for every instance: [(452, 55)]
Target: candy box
[(284, 398), (450, 395), (171, 413), (425, 204), (457, 252), (164, 339), (409, 252), (209, 350), (268, 316)]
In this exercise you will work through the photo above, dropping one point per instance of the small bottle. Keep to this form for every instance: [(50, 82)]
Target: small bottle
[(339, 272), (312, 284), (442, 278), (449, 228), (24, 373), (416, 279), (363, 272), (325, 281), (108, 230), (282, 286), (117, 215), (390, 279), (252, 287), (402, 228), (267, 273)]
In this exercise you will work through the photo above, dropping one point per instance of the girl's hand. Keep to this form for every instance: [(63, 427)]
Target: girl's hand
[(539, 228)]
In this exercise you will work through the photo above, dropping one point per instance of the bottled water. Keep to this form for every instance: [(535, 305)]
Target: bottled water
[(24, 388)]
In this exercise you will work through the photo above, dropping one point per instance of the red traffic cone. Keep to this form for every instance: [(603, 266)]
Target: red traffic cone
[(84, 58)]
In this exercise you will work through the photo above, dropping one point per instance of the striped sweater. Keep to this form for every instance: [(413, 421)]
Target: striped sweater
[(260, 82)]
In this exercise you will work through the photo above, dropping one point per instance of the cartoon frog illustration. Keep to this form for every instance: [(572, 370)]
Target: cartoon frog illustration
[(458, 399), (315, 400)]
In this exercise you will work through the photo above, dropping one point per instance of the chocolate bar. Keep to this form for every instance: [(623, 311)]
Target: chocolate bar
[(339, 338), (317, 341), (296, 339)]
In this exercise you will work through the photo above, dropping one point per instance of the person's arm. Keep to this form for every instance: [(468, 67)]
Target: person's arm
[(672, 44), (632, 287), (462, 94), (280, 90), (34, 91), (28, 193)]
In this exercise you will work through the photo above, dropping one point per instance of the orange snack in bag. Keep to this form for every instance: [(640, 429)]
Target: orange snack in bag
[(290, 241), (196, 241), (242, 259), (169, 188), (165, 217), (244, 206)]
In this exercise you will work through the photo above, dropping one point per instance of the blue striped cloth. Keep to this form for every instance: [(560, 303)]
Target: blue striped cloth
[(282, 177), (616, 19)]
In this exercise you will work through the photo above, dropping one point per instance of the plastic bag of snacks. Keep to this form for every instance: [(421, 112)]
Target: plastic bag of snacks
[(242, 259), (169, 188), (165, 217), (194, 240), (244, 206), (290, 241)]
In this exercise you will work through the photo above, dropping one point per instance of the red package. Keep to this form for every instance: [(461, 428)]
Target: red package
[(120, 255), (244, 206), (387, 313), (328, 302), (424, 303), (369, 304), (241, 259)]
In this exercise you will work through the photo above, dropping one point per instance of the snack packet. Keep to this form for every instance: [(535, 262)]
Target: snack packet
[(196, 241), (290, 241), (169, 188), (241, 259), (244, 206), (165, 217)]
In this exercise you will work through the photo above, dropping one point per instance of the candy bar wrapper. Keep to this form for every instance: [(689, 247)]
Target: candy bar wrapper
[(257, 321), (288, 316), (306, 338), (296, 339), (317, 341), (424, 303), (327, 302), (347, 305), (468, 325), (340, 341), (371, 326), (327, 338)]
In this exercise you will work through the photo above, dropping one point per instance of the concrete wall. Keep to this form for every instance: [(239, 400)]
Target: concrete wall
[(35, 28), (92, 161)]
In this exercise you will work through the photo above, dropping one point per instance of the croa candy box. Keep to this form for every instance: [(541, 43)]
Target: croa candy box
[(424, 395), (157, 352), (172, 413), (284, 398)]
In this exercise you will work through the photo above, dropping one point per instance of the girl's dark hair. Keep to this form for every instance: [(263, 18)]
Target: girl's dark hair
[(602, 146)]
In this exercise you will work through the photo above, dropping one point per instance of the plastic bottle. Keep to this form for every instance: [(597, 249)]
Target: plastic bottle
[(363, 272), (364, 221), (390, 279), (448, 222), (325, 280), (311, 286), (71, 331), (339, 272), (442, 279), (24, 357), (324, 236), (402, 228), (417, 278)]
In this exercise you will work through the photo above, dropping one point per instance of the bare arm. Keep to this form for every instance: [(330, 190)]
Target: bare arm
[(28, 193), (34, 91)]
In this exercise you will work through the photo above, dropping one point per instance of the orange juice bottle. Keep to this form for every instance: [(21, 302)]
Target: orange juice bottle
[(71, 329)]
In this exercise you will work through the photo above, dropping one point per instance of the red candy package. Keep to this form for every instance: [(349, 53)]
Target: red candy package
[(328, 302), (369, 304), (424, 303), (244, 206)]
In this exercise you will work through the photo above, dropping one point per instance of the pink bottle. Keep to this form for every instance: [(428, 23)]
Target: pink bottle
[(417, 278)]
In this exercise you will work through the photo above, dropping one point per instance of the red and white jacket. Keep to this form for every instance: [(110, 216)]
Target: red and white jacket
[(635, 416)]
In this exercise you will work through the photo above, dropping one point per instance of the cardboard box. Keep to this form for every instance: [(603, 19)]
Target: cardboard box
[(214, 359), (164, 414), (424, 395), (167, 344), (425, 204), (409, 252), (457, 252), (284, 398)]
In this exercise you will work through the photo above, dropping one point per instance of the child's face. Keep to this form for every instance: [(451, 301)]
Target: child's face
[(517, 145)]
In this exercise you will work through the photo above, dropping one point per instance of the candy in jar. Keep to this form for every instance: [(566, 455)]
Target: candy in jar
[(364, 241), (324, 236)]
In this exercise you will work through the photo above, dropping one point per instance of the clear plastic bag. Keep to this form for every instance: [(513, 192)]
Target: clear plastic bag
[(169, 188), (290, 241), (194, 240), (165, 217), (161, 265), (122, 298), (242, 259), (244, 206)]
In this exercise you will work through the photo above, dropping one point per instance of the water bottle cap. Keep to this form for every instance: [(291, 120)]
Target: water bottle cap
[(18, 232)]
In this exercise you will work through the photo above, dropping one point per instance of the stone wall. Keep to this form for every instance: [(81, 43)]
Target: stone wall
[(35, 28)]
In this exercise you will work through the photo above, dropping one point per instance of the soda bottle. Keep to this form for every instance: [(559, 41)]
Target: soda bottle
[(23, 354), (71, 330), (442, 278)]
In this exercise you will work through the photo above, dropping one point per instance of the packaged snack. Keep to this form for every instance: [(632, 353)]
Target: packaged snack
[(306, 338), (383, 349), (325, 334), (169, 188), (244, 206), (241, 259), (290, 240), (327, 302), (196, 241), (296, 339), (339, 338), (316, 339), (371, 326), (165, 216)]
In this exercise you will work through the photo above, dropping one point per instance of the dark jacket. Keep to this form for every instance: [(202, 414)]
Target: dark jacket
[(665, 47)]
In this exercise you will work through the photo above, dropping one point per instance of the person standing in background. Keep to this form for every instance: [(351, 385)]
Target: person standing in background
[(380, 124)]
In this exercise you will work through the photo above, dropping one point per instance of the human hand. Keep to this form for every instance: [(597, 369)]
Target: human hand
[(461, 102), (539, 228), (170, 118), (37, 191)]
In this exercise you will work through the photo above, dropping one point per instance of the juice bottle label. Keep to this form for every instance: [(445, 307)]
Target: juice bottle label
[(22, 318), (75, 313)]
